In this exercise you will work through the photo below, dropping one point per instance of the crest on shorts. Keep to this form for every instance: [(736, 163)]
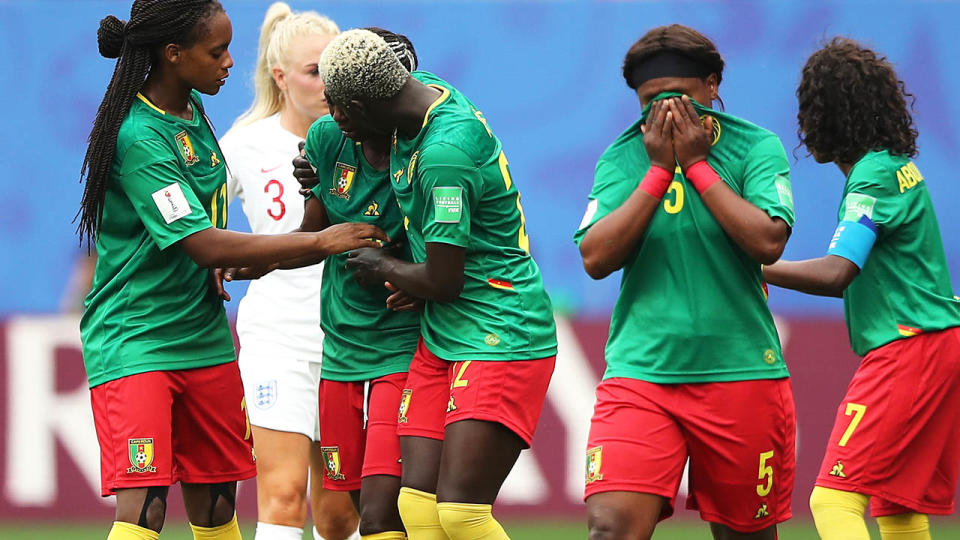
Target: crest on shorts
[(404, 406), (762, 512), (342, 180), (594, 460), (266, 394), (140, 452), (186, 148), (837, 470), (451, 406), (331, 462)]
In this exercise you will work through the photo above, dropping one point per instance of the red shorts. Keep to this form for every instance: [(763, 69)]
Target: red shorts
[(162, 427), (738, 435), (358, 430), (896, 436), (439, 393)]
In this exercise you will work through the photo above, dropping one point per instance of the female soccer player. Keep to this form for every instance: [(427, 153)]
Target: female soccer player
[(689, 202), (894, 440), (278, 322), (477, 382), (165, 390), (362, 380)]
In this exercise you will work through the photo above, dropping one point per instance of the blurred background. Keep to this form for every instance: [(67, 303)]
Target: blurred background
[(546, 75)]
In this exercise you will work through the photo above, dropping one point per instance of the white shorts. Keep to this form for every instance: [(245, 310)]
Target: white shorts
[(282, 393)]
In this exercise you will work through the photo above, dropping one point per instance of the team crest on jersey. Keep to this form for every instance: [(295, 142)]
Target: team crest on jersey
[(837, 470), (342, 180), (373, 209), (594, 461), (140, 452), (762, 512), (186, 148), (404, 406), (716, 126), (266, 394), (331, 461)]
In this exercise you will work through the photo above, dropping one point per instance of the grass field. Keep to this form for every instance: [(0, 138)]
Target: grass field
[(518, 530)]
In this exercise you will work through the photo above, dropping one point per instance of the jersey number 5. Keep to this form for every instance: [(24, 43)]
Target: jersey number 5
[(277, 216)]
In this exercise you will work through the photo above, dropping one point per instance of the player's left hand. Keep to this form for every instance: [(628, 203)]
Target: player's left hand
[(303, 171), (367, 265), (247, 272), (401, 301), (216, 282), (691, 138)]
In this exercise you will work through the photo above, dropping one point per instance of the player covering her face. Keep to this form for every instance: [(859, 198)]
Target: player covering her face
[(146, 207), (712, 206)]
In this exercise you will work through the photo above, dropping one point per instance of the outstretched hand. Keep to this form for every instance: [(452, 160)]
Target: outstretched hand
[(658, 135), (247, 272), (691, 137), (367, 265), (343, 237)]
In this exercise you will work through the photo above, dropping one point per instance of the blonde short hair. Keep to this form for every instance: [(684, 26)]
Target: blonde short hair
[(359, 64), (281, 26)]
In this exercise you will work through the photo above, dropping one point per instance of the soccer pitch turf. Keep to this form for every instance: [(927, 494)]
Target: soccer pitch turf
[(518, 530)]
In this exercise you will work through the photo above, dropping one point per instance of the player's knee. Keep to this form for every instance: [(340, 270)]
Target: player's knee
[(468, 521), (148, 513), (911, 526), (610, 523), (340, 524), (379, 516), (839, 514), (285, 503)]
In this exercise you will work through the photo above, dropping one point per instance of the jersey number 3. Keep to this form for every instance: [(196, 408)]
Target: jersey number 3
[(278, 215)]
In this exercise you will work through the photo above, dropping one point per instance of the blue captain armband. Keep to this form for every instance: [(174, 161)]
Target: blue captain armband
[(853, 240)]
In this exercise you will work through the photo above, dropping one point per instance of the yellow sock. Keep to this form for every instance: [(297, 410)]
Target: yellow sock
[(910, 526), (122, 530), (227, 531), (388, 535), (418, 510), (839, 514), (465, 521)]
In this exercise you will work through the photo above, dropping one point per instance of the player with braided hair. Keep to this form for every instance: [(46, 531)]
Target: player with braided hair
[(278, 321), (362, 382), (894, 442), (158, 351), (479, 377)]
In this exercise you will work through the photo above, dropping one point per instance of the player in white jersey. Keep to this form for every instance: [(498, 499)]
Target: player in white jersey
[(279, 318)]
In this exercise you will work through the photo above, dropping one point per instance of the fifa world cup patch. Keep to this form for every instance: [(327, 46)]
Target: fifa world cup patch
[(594, 461), (172, 203), (331, 462), (140, 452), (404, 406), (447, 204), (343, 180)]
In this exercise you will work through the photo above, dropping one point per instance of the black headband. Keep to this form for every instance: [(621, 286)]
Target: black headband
[(666, 64)]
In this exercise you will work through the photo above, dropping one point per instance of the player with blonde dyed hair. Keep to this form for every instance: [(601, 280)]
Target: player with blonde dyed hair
[(278, 322), (488, 345)]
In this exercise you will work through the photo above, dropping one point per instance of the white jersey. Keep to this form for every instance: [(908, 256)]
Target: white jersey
[(280, 314)]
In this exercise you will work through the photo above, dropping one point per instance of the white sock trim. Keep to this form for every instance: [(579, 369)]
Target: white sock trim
[(269, 531)]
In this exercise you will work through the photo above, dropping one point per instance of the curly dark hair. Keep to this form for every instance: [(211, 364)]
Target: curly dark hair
[(851, 102), (674, 38)]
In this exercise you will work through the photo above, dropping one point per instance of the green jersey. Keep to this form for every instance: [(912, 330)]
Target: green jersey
[(351, 190), (151, 308), (454, 186), (692, 304), (904, 287)]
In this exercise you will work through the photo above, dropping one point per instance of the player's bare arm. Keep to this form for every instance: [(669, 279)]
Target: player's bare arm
[(761, 236), (610, 240), (826, 276), (439, 279), (212, 247)]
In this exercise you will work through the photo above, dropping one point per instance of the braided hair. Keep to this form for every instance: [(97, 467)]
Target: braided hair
[(152, 24), (400, 45)]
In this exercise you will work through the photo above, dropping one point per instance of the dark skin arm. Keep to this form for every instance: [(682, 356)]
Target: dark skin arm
[(303, 172), (439, 279), (827, 276), (610, 240), (762, 237)]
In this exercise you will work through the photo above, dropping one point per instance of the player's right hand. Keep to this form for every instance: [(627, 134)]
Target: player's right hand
[(658, 135), (347, 236), (303, 171)]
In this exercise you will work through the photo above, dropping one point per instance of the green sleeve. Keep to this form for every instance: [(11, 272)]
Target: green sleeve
[(865, 194), (766, 179), (450, 185), (321, 147), (611, 187), (150, 176)]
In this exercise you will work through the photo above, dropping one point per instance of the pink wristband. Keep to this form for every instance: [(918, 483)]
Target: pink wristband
[(701, 175), (656, 181)]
